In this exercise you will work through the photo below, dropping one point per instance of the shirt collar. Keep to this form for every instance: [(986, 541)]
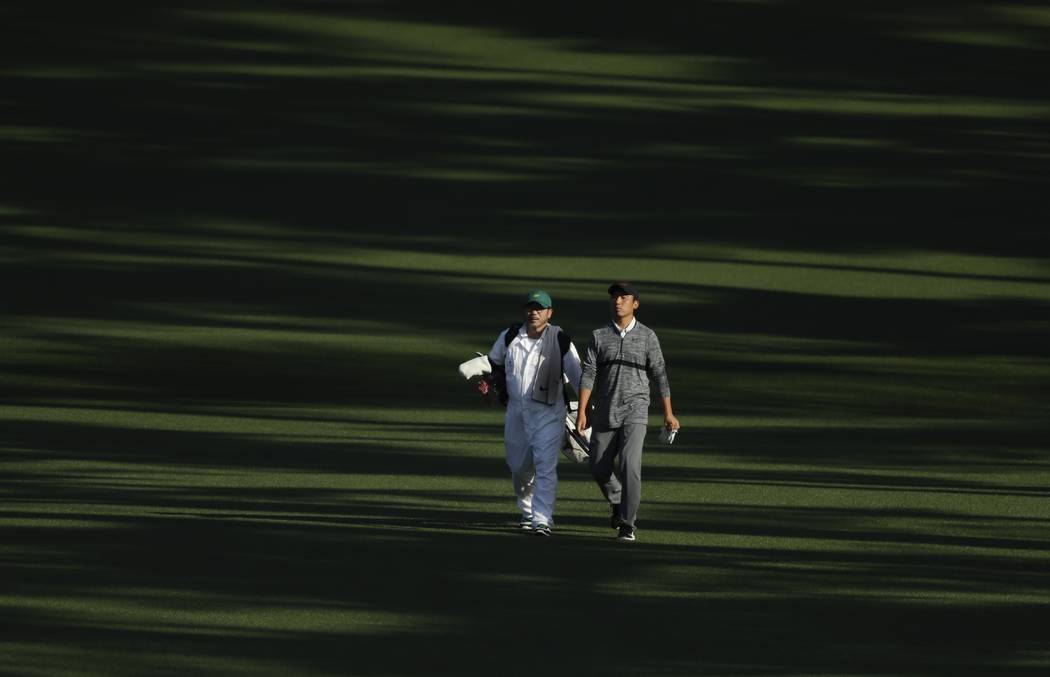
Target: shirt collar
[(630, 326), (523, 330)]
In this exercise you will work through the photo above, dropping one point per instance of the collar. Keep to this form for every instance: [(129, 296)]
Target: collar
[(634, 321), (523, 331)]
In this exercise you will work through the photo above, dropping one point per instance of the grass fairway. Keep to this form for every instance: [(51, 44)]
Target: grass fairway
[(245, 248), (381, 541)]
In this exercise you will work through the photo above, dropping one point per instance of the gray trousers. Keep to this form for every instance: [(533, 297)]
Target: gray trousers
[(616, 464)]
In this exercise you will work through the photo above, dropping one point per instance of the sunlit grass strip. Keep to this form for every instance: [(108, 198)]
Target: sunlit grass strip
[(219, 335), (450, 45), (1027, 16), (907, 590), (917, 261), (909, 274), (362, 429), (216, 614), (576, 277), (33, 135), (644, 81), (978, 38), (783, 277), (370, 423), (696, 97), (64, 72)]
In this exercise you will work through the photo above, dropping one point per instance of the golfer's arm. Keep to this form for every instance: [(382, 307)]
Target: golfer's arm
[(585, 399), (666, 402)]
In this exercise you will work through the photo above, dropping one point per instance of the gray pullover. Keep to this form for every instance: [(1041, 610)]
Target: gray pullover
[(618, 370)]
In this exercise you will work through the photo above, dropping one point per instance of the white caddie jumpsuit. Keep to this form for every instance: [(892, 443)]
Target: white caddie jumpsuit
[(533, 432)]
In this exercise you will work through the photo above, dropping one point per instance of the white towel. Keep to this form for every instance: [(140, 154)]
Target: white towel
[(478, 366)]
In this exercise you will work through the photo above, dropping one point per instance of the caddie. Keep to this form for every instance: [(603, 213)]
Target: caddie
[(535, 358)]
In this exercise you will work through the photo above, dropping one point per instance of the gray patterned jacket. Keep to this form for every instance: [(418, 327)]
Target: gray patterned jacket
[(618, 370)]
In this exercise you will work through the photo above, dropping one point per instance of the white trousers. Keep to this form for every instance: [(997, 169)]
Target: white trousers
[(533, 434)]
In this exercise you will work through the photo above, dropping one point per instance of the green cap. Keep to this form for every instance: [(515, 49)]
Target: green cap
[(540, 297)]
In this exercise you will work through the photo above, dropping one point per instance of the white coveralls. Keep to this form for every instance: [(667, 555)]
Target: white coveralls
[(533, 432)]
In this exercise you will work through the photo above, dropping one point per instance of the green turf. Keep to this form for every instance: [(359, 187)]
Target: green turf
[(244, 250)]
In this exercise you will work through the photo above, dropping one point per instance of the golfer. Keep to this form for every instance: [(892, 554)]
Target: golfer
[(621, 358), (534, 358)]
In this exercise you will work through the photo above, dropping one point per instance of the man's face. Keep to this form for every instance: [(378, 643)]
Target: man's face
[(537, 317), (622, 305)]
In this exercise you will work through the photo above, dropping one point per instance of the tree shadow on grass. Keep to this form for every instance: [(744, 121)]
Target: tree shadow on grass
[(737, 610), (237, 573), (857, 142), (195, 116)]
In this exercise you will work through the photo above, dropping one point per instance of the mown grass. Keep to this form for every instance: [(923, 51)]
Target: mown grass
[(241, 272)]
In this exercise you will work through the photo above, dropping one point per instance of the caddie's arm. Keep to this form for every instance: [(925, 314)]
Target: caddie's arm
[(498, 353), (573, 369)]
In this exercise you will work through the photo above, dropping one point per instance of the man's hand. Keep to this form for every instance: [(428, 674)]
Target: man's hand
[(670, 422), (488, 390), (581, 415)]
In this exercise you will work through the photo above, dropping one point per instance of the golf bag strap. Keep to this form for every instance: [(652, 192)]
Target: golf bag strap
[(564, 340)]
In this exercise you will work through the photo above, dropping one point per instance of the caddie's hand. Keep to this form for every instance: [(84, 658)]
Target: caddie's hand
[(488, 392), (581, 421), (670, 422)]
